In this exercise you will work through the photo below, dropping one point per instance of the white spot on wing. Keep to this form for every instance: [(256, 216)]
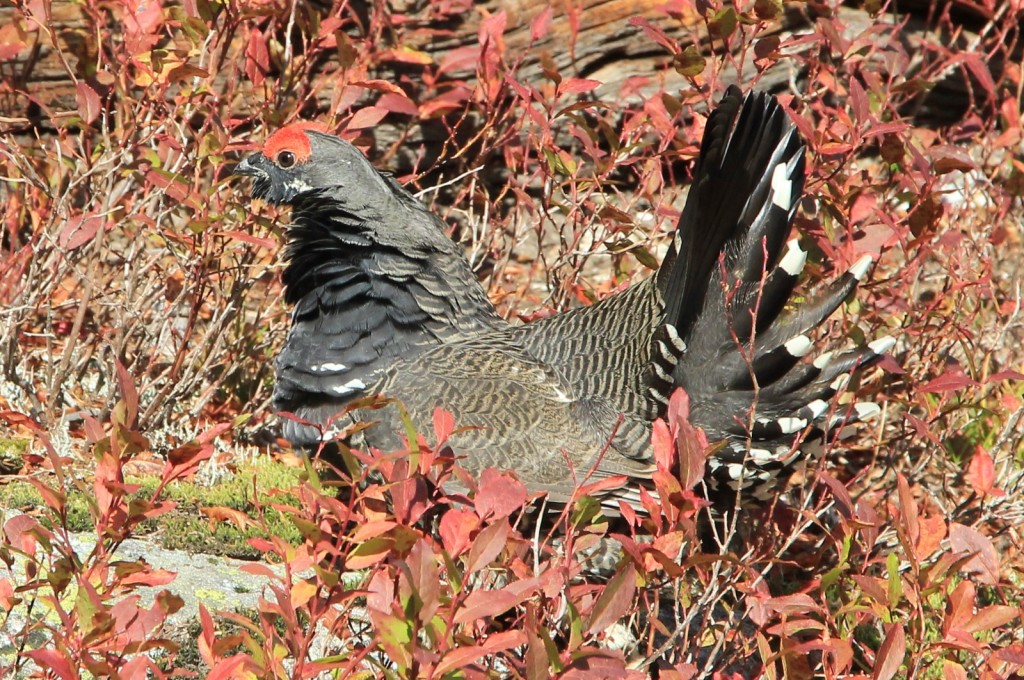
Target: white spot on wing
[(348, 388), (329, 367)]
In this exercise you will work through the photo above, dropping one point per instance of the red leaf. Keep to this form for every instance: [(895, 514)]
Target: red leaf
[(1011, 654), (424, 578), (872, 587), (985, 561), (961, 608), (380, 593), (372, 530), (951, 670), (11, 44), (578, 85), (217, 430), (541, 24), (1005, 375), (933, 530), (615, 600), (230, 668), (444, 425), (398, 104), (500, 494), (791, 605), (456, 528), (891, 653), (79, 230), (184, 460), (655, 34), (409, 497), (840, 494), (693, 454), (993, 616), (908, 512), (174, 186), (507, 640), (458, 658), (129, 395), (981, 474), (859, 100), (489, 542), (379, 85), (257, 58), (602, 485), (663, 444), (485, 603), (88, 102), (980, 70), (369, 553), (220, 514), (492, 30), (947, 158), (53, 661), (366, 118)]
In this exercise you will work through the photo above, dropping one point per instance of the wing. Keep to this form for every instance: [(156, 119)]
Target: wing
[(524, 418)]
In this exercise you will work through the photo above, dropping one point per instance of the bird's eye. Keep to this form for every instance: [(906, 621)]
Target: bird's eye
[(286, 159)]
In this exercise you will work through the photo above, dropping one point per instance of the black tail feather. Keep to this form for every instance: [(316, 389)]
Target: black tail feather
[(742, 344), (737, 198)]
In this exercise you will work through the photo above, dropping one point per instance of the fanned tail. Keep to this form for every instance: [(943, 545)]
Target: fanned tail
[(732, 337)]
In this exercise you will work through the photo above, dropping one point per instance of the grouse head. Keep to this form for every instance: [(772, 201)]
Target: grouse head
[(303, 158)]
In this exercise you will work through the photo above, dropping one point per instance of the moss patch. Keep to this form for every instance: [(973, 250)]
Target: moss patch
[(255, 485)]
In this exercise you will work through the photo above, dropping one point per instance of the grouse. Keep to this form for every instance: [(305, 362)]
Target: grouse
[(386, 304)]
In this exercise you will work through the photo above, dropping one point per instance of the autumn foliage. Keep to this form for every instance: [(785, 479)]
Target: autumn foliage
[(141, 313)]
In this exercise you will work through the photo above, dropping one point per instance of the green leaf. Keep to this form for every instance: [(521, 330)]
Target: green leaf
[(724, 23), (895, 586), (689, 63)]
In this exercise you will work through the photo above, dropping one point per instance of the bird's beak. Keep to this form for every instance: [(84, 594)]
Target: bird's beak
[(248, 166)]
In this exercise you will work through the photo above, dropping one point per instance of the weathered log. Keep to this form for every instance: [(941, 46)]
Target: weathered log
[(39, 83)]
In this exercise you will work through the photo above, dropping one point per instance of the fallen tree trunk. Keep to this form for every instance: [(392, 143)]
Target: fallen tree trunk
[(600, 39)]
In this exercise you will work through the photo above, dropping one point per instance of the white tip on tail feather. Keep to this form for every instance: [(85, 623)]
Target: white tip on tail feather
[(799, 346), (882, 345), (782, 188), (349, 387), (823, 359), (866, 410), (860, 267), (817, 407), (789, 425), (794, 260)]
